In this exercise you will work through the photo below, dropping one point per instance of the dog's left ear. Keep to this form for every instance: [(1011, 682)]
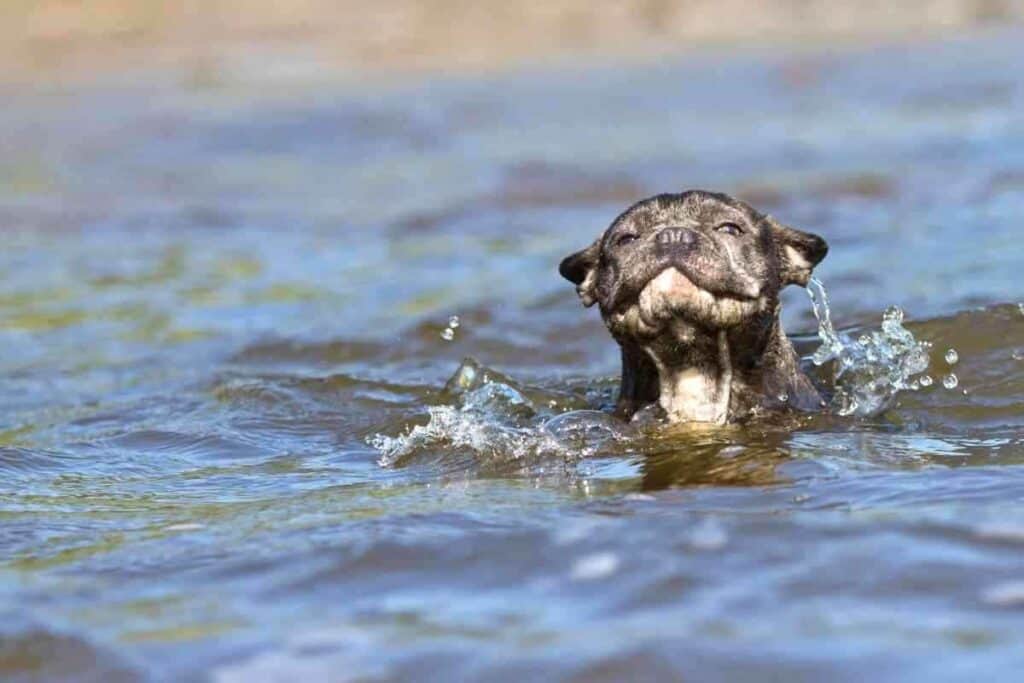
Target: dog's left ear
[(581, 270), (799, 252)]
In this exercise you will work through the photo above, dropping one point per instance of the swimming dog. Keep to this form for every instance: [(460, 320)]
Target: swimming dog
[(688, 285)]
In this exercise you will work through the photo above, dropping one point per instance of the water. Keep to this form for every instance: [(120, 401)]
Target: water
[(448, 333), (230, 449), (494, 420), (869, 372)]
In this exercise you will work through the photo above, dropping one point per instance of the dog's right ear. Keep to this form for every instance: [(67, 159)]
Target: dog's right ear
[(799, 252), (581, 270)]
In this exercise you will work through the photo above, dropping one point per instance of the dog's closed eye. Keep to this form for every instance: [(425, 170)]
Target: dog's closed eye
[(730, 229), (628, 238)]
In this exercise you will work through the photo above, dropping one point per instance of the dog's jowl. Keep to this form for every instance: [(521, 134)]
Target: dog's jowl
[(688, 284)]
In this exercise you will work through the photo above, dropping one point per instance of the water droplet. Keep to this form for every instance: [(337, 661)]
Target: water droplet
[(783, 398), (453, 322), (914, 385), (952, 357), (831, 345), (1018, 354), (950, 381), (447, 334), (926, 381), (894, 314), (466, 378), (1020, 307)]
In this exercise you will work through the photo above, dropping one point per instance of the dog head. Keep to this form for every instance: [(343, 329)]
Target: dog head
[(691, 262)]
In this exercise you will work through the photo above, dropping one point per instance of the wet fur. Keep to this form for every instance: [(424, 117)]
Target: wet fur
[(688, 285)]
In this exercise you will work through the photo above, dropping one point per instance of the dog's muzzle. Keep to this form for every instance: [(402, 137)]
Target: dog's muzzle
[(676, 241)]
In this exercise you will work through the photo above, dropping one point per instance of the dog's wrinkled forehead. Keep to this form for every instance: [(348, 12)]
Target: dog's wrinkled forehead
[(693, 209)]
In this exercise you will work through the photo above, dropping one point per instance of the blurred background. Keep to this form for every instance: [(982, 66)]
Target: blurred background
[(65, 39), (244, 246)]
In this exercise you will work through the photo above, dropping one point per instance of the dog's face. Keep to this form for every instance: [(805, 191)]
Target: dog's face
[(697, 261)]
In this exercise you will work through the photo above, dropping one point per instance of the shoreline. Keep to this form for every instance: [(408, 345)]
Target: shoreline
[(117, 41)]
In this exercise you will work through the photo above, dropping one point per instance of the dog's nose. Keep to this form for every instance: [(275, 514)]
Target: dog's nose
[(676, 238)]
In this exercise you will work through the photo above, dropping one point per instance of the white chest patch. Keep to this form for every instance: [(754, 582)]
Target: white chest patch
[(695, 394)]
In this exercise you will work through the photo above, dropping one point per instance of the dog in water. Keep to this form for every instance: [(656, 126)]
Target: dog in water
[(688, 284)]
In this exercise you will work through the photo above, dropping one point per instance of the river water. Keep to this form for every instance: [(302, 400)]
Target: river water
[(226, 448)]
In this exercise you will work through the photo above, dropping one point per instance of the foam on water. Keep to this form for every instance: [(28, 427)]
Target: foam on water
[(871, 370)]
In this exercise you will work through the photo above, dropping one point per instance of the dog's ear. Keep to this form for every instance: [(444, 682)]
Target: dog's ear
[(799, 252), (581, 270)]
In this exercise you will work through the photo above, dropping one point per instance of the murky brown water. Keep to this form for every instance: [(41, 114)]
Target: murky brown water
[(212, 301)]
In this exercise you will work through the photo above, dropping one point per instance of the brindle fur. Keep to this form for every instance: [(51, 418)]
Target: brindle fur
[(688, 285)]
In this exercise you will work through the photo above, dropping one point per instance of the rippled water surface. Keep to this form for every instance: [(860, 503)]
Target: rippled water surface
[(227, 449)]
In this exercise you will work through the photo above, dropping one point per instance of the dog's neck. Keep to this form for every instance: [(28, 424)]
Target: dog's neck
[(696, 391), (714, 375)]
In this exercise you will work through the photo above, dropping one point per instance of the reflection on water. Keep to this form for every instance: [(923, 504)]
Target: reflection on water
[(229, 446)]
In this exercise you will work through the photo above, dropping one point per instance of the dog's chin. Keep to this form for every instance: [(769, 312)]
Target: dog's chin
[(672, 302)]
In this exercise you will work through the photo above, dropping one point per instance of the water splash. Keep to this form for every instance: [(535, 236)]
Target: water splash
[(871, 370), (448, 333), (495, 420)]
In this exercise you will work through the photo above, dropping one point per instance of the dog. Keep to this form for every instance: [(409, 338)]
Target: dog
[(688, 285)]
